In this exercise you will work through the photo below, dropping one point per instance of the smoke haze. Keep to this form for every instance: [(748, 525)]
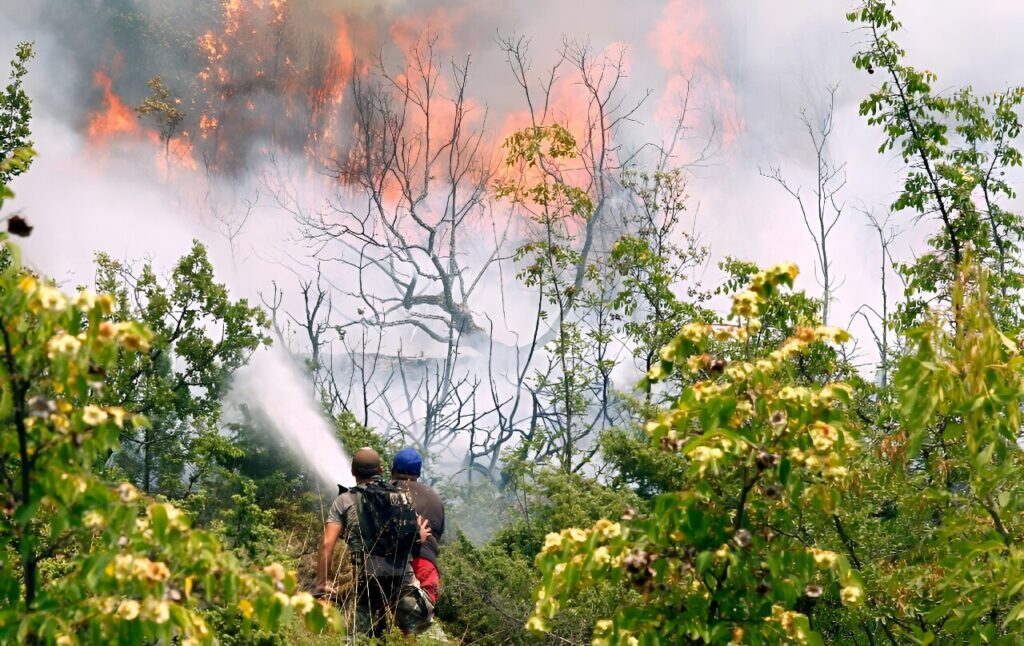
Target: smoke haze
[(102, 183)]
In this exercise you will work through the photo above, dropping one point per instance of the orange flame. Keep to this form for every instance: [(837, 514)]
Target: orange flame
[(260, 83), (118, 121), (685, 41), (116, 118), (178, 154)]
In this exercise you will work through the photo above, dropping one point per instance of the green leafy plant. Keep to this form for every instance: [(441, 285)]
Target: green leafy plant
[(724, 558), (15, 117), (118, 567)]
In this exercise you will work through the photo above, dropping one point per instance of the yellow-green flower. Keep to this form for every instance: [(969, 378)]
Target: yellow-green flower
[(28, 284), (576, 535), (128, 610), (127, 492), (157, 611), (536, 624), (284, 599), (245, 606), (94, 415), (745, 304), (837, 473), (303, 602), (276, 571), (117, 414), (706, 454), (552, 542), (823, 435), (157, 571), (824, 558), (51, 299), (85, 300), (694, 332), (106, 303), (851, 595), (607, 529), (62, 344), (107, 331)]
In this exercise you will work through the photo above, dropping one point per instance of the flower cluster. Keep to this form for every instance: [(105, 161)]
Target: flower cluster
[(555, 541), (794, 624), (127, 567), (746, 304), (571, 554), (766, 281), (706, 456), (824, 558), (737, 427), (604, 633), (852, 591)]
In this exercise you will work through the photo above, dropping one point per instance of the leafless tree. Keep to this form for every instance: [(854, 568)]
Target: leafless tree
[(821, 217), (877, 320), (230, 219), (411, 234), (402, 238)]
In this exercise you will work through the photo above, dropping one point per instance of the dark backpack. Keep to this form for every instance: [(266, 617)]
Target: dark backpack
[(387, 520)]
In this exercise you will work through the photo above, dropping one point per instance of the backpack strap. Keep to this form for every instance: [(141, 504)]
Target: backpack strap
[(357, 497)]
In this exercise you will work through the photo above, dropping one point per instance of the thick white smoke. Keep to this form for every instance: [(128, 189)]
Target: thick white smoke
[(273, 387), (774, 57)]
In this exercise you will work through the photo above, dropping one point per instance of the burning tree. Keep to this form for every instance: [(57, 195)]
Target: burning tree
[(162, 108)]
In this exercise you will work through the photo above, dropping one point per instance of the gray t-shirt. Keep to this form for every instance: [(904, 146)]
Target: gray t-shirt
[(345, 513)]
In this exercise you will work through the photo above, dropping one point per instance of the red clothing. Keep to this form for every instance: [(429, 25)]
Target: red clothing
[(428, 576)]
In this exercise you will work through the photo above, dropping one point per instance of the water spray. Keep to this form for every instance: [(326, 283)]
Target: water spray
[(274, 388)]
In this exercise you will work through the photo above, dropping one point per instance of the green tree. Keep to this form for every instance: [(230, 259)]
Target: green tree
[(84, 562), (16, 114), (488, 589), (727, 556), (200, 337), (655, 261), (550, 263), (162, 107), (956, 146)]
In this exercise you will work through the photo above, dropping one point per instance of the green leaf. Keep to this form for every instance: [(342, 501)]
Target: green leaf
[(785, 467), (6, 398), (159, 521), (703, 561)]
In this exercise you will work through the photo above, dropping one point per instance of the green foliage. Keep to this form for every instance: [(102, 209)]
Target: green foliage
[(652, 265), (162, 108), (487, 590), (723, 558), (957, 146), (576, 354), (118, 568), (354, 436), (953, 563), (756, 489), (15, 116), (249, 524), (760, 466), (200, 337)]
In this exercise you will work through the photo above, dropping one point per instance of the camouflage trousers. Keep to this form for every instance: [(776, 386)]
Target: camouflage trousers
[(383, 601)]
